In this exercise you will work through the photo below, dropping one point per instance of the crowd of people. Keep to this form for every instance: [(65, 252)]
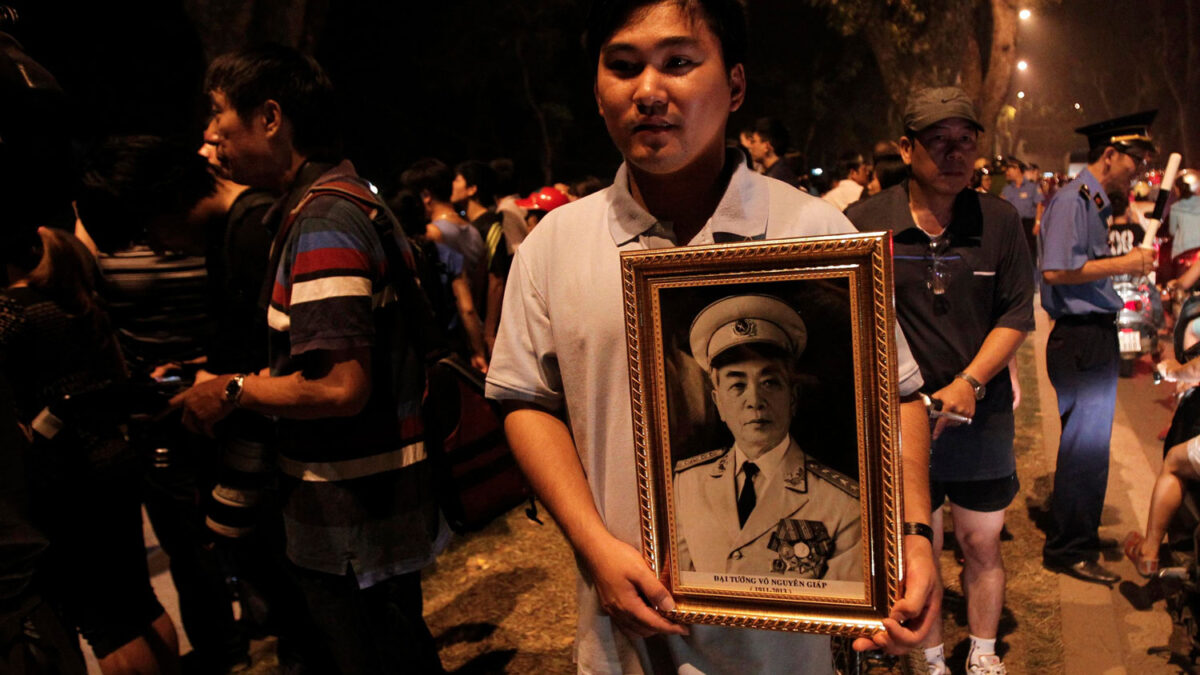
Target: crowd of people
[(235, 330)]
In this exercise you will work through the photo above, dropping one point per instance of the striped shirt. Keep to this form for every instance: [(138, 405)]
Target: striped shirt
[(357, 490)]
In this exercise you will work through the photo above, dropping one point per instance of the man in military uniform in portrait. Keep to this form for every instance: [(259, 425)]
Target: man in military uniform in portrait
[(761, 506), (1082, 355)]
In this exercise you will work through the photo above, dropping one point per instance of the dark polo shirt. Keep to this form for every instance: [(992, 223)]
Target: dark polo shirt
[(988, 282)]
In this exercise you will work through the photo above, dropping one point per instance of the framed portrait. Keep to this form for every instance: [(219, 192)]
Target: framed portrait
[(766, 425)]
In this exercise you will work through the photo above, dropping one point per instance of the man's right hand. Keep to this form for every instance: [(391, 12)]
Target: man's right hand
[(628, 590), (1139, 261)]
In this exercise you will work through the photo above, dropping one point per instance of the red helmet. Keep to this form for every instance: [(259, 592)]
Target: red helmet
[(547, 199)]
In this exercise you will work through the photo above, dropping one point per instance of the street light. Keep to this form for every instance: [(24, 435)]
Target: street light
[(1022, 65), (1077, 106), (1021, 94), (1025, 14)]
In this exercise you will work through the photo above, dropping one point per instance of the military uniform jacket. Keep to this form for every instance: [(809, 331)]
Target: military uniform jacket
[(818, 505)]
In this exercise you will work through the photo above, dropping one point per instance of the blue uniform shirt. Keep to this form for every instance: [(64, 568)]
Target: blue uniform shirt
[(1025, 198), (1074, 231)]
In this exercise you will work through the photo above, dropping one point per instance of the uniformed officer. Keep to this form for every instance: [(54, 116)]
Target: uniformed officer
[(762, 506), (1026, 197), (1082, 354)]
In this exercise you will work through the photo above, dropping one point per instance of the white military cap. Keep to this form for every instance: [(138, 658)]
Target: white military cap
[(742, 319)]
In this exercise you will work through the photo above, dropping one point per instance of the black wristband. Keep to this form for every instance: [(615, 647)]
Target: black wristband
[(919, 529)]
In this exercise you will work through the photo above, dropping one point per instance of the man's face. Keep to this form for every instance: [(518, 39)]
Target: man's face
[(241, 146), (460, 192), (941, 155), (1122, 167), (1013, 174), (861, 175), (664, 92), (759, 147), (754, 399)]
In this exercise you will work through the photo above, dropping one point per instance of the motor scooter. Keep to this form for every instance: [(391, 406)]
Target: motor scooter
[(1139, 319)]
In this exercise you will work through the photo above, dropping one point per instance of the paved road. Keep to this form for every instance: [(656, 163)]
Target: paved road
[(501, 600)]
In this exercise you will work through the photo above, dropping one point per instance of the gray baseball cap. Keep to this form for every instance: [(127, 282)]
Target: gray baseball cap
[(934, 104)]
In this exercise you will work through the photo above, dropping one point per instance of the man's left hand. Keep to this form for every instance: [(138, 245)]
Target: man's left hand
[(204, 405), (956, 397), (911, 616)]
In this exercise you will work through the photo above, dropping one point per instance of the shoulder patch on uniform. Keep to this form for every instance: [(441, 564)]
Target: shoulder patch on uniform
[(697, 460), (836, 478), (1099, 201), (1084, 191)]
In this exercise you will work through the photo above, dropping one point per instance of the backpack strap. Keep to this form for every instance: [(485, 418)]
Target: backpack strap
[(402, 278)]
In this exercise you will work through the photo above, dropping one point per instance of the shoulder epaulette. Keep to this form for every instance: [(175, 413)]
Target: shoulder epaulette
[(1084, 192), (836, 478), (696, 460)]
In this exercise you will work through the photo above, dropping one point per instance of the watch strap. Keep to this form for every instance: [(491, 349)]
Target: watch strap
[(920, 529), (975, 384)]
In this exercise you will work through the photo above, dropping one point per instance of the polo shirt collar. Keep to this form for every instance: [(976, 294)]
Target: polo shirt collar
[(740, 215), (966, 219)]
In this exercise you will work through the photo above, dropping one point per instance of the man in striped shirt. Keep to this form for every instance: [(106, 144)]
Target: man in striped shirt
[(345, 379)]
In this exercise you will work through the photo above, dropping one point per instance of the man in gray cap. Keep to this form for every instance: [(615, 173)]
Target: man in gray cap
[(964, 293), (1082, 356), (761, 505)]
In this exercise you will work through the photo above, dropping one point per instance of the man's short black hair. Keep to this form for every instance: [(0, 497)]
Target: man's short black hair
[(848, 163), (429, 175), (250, 77), (890, 170), (1094, 154), (774, 132), (482, 177), (128, 181), (409, 212), (725, 18), (1014, 162)]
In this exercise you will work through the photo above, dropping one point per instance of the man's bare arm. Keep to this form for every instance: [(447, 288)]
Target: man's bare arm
[(472, 325), (1137, 261), (909, 621), (495, 300), (993, 356), (544, 449), (337, 385)]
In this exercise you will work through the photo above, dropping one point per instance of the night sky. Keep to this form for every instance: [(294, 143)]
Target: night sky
[(444, 79)]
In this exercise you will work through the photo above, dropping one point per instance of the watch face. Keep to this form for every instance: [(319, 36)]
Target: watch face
[(232, 389)]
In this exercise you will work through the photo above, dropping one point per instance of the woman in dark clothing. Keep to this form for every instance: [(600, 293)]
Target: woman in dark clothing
[(55, 342)]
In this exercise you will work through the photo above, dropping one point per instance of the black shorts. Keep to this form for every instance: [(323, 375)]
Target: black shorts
[(977, 495)]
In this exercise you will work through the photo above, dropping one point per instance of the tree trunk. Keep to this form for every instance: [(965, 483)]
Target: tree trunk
[(225, 25), (538, 113), (1002, 58)]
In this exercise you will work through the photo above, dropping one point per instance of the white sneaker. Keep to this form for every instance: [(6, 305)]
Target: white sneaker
[(988, 664)]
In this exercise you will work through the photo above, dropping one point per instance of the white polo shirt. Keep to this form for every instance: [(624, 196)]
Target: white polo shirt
[(561, 345)]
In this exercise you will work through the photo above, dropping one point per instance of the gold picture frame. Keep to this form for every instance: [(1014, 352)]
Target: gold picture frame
[(843, 433)]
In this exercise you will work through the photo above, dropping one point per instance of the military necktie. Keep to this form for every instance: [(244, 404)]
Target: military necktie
[(747, 499)]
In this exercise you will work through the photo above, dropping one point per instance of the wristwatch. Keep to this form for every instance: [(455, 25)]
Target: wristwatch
[(920, 529), (980, 390), (233, 389)]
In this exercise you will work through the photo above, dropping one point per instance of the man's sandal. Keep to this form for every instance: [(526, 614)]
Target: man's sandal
[(1146, 567)]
